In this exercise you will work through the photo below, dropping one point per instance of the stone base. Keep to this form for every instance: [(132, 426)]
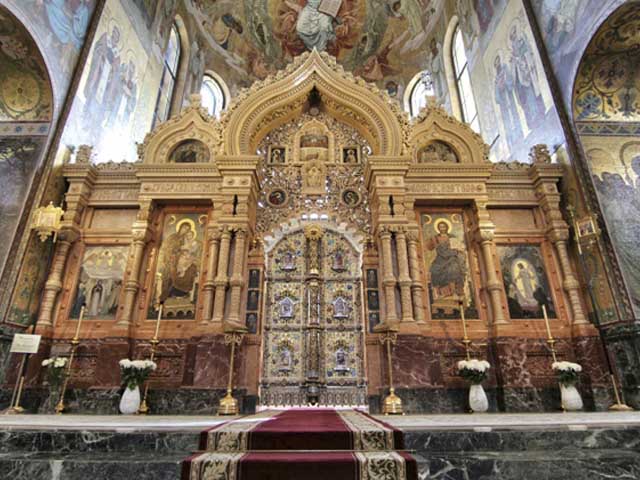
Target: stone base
[(515, 447), (511, 400), (104, 401)]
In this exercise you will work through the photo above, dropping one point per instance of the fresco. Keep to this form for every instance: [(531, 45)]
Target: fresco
[(100, 282), (567, 27), (478, 20), (111, 104), (60, 27), (25, 91), (519, 95), (19, 158), (381, 40), (607, 87), (525, 281), (447, 266), (615, 166), (178, 267)]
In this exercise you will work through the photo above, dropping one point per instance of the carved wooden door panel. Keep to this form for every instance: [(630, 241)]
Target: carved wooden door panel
[(313, 350)]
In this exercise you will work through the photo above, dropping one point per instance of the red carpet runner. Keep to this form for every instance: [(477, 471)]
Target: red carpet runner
[(307, 444)]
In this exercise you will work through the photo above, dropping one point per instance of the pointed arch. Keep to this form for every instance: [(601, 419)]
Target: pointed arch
[(273, 102)]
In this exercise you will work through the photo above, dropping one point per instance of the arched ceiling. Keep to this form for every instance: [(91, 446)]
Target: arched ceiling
[(383, 41)]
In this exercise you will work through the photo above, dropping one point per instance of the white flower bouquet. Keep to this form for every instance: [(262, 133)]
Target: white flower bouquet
[(474, 370), (567, 372), (135, 372), (55, 370)]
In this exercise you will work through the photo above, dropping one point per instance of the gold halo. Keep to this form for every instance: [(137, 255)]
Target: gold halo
[(456, 218), (191, 223), (427, 219), (439, 221)]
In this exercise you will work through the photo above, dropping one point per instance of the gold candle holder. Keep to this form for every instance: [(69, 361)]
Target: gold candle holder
[(61, 407), (144, 407), (550, 340), (392, 404), (465, 339), (228, 404)]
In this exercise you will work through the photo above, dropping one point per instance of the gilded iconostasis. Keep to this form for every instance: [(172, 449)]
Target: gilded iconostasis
[(115, 75)]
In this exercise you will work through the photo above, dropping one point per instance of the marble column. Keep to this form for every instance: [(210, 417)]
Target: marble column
[(417, 291), (221, 281), (208, 286), (237, 278), (52, 287), (403, 278), (388, 277), (570, 283)]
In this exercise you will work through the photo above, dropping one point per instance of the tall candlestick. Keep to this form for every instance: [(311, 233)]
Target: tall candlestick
[(546, 322), (464, 321), (155, 335), (77, 334)]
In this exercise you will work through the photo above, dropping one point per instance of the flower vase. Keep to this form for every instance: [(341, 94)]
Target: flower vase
[(130, 401), (570, 398), (478, 401)]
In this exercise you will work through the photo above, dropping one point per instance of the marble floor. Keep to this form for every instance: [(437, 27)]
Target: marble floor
[(478, 422)]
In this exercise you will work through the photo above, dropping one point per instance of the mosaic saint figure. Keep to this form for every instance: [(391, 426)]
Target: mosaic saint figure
[(69, 24), (504, 95), (315, 28), (525, 282), (101, 88), (525, 75), (448, 270)]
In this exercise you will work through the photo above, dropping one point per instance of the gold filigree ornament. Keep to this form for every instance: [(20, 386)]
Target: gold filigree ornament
[(313, 232), (21, 91), (47, 221)]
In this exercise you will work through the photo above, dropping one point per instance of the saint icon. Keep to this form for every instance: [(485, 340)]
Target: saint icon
[(340, 308), (287, 262), (341, 360), (286, 308)]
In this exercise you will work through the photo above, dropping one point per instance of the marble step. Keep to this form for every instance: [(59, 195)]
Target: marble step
[(429, 442), (67, 441), (93, 466), (548, 465)]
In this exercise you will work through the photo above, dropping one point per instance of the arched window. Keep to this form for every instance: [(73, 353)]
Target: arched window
[(463, 81), (212, 95), (169, 76), (420, 88)]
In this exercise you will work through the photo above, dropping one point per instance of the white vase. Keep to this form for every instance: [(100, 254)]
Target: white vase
[(478, 401), (570, 397), (130, 401)]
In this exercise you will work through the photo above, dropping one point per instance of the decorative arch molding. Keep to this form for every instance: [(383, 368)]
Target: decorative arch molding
[(193, 123), (434, 124), (355, 238), (274, 101)]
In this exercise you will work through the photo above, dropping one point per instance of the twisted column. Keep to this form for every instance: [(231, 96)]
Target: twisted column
[(221, 280), (417, 291), (404, 279), (54, 283), (237, 277), (208, 286), (388, 277)]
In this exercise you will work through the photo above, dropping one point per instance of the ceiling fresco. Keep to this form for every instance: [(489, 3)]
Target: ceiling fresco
[(381, 40)]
